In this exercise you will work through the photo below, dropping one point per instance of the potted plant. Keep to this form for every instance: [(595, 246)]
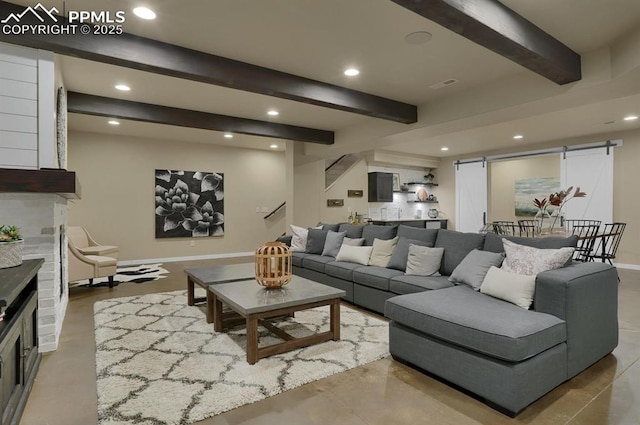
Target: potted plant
[(428, 178), (10, 247)]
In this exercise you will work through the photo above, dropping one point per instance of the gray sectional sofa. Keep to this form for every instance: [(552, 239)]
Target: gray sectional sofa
[(507, 355)]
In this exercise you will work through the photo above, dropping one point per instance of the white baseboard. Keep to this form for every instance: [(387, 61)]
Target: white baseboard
[(627, 266), (191, 258)]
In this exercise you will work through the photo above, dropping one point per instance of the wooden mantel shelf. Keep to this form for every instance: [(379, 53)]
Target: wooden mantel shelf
[(60, 182)]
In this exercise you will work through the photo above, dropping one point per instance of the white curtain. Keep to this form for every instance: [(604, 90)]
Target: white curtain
[(592, 171), (471, 196)]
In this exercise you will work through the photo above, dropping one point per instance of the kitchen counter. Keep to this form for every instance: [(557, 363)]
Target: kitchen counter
[(429, 223)]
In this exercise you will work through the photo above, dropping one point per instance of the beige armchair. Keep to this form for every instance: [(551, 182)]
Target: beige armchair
[(87, 258)]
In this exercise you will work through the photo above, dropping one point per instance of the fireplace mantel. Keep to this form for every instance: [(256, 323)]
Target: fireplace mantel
[(60, 182)]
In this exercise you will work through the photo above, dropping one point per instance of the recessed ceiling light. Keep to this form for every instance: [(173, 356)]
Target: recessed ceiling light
[(444, 148), (518, 136), (144, 13), (631, 117), (114, 122), (418, 37), (122, 87), (228, 136), (351, 72), (273, 113), (274, 146)]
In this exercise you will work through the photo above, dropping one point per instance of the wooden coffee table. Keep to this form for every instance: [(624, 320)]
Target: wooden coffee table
[(213, 275), (256, 304)]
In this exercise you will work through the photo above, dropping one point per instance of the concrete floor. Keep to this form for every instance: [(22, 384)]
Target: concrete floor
[(383, 392)]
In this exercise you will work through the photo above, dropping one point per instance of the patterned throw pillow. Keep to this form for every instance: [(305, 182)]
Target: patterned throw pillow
[(299, 238), (530, 261)]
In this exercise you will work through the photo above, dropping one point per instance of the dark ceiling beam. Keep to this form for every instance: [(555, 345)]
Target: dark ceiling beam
[(162, 58), (125, 109), (491, 24)]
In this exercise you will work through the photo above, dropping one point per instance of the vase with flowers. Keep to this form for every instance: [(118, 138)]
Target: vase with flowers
[(542, 205), (10, 247), (559, 199)]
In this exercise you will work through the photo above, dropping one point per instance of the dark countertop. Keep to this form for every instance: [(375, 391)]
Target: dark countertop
[(409, 219)]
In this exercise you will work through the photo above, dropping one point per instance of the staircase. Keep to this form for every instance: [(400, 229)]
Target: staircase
[(336, 167)]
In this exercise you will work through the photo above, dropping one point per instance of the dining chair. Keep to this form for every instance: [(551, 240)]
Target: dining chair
[(570, 223), (528, 228), (608, 242), (504, 227), (486, 228), (586, 234)]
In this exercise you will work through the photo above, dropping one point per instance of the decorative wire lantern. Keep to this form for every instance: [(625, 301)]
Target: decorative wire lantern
[(273, 265)]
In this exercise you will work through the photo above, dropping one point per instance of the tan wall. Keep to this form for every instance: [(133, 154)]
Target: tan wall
[(354, 179), (626, 202), (502, 177), (311, 197), (308, 190), (117, 205)]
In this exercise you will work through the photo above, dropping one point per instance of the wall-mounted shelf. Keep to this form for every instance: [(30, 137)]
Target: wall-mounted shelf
[(404, 191), (423, 183), (422, 202)]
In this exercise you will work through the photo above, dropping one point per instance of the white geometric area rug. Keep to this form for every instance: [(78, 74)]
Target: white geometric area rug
[(159, 362)]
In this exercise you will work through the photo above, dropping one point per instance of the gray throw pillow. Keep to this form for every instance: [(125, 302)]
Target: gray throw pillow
[(399, 257), (333, 243), (474, 267), (423, 260), (353, 241), (315, 241)]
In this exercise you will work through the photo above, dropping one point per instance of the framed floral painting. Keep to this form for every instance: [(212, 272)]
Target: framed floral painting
[(189, 204)]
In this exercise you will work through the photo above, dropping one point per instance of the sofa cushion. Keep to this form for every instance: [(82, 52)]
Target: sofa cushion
[(399, 257), (296, 258), (341, 269), (408, 284), (377, 231), (332, 227), (515, 288), (353, 231), (382, 251), (493, 242), (530, 261), (353, 241), (424, 261), (332, 243), (374, 277), (315, 241), (425, 235), (478, 322), (474, 267), (316, 262), (354, 254), (456, 246)]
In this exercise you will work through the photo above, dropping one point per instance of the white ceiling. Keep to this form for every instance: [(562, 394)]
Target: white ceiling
[(319, 39)]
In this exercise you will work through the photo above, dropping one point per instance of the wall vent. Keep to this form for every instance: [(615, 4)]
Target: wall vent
[(444, 83)]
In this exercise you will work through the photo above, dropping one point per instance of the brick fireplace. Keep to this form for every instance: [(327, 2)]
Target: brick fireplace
[(42, 219)]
